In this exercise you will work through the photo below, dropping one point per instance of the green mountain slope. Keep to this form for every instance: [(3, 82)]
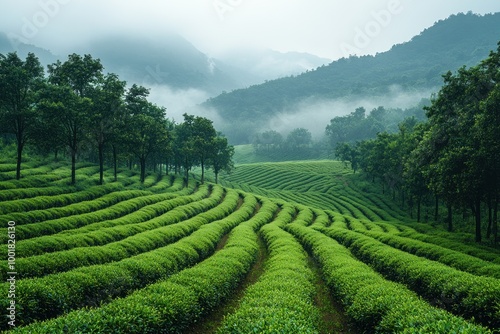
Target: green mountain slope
[(417, 65)]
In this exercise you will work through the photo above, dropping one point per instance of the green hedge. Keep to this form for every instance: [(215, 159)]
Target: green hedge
[(172, 305), (100, 230), (374, 304), (45, 202), (473, 297), (433, 252), (202, 212), (281, 301)]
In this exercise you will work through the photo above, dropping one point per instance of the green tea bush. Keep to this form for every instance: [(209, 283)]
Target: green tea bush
[(170, 306), (446, 256), (282, 299), (145, 241), (374, 304), (471, 296), (44, 202)]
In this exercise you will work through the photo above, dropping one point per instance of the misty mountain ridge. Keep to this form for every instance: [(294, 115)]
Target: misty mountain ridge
[(173, 61), (10, 45), (269, 64), (415, 67)]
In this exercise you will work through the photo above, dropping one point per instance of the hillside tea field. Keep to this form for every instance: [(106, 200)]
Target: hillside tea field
[(277, 248)]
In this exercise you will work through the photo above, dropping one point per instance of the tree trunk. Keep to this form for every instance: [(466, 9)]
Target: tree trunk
[(186, 177), (450, 218), (490, 219), (495, 223), (73, 166), (476, 210), (19, 158), (419, 201), (143, 169), (202, 171), (436, 208), (101, 163), (115, 167), (216, 177)]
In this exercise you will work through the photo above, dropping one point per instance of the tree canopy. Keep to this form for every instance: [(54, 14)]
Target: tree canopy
[(454, 156), (81, 110)]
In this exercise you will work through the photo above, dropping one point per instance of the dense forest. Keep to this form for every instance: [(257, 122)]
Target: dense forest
[(417, 65), (79, 110), (454, 157)]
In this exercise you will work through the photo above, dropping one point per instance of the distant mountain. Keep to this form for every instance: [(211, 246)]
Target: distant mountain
[(171, 61), (417, 65), (262, 65), (10, 45)]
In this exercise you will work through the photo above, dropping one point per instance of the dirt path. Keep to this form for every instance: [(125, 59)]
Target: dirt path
[(211, 322)]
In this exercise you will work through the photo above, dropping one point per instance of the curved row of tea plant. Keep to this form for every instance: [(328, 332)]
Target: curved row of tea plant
[(45, 202), (373, 303), (134, 216), (474, 297), (48, 173), (109, 206), (53, 295), (170, 227), (282, 300), (324, 180), (488, 255), (433, 252), (170, 306)]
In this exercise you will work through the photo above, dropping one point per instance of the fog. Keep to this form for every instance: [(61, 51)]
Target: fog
[(322, 27), (177, 102), (315, 114)]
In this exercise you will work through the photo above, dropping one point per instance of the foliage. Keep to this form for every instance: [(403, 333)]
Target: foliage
[(80, 109)]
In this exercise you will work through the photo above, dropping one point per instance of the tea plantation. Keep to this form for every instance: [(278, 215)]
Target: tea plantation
[(294, 247)]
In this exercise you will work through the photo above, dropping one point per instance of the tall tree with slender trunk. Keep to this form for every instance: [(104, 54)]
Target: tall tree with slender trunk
[(78, 76), (19, 82), (105, 114), (146, 127)]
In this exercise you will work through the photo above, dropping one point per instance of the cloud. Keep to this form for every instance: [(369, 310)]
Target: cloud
[(177, 102), (319, 28)]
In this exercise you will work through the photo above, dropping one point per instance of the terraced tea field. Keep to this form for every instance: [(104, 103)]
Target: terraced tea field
[(277, 248)]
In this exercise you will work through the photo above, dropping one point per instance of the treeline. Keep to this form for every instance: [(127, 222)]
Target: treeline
[(78, 109), (360, 125), (298, 144), (453, 158)]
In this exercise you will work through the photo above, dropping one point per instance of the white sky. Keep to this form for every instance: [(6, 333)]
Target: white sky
[(327, 28)]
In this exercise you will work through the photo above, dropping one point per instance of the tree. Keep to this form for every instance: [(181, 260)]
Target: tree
[(105, 114), (268, 140), (184, 150), (145, 125), (76, 80), (221, 158), (19, 83), (204, 135), (348, 152), (299, 138)]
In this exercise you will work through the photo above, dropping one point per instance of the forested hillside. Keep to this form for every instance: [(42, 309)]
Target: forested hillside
[(417, 65), (452, 157)]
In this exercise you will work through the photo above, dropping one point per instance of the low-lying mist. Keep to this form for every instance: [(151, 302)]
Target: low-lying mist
[(315, 114), (177, 102)]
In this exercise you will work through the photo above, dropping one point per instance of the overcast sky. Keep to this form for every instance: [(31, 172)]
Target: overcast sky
[(327, 28)]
